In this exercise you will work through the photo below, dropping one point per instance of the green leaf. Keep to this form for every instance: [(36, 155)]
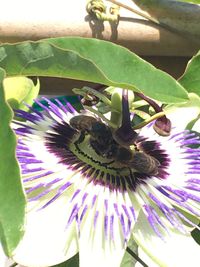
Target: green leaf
[(90, 60), (19, 90), (190, 1), (191, 78), (73, 262), (12, 199)]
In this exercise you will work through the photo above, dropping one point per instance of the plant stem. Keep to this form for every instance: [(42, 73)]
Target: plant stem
[(151, 102), (147, 121), (135, 256)]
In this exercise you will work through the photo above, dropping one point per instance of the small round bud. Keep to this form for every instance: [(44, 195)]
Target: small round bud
[(162, 126)]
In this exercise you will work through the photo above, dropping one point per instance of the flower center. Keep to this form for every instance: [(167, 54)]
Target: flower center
[(100, 159)]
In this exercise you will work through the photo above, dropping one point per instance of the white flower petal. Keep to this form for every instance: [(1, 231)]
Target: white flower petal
[(105, 229), (94, 250), (176, 250), (47, 241)]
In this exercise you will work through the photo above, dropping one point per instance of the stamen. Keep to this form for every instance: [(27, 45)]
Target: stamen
[(125, 134)]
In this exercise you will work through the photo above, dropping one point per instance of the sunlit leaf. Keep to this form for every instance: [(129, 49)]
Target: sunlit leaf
[(191, 78), (19, 90), (12, 200), (90, 60)]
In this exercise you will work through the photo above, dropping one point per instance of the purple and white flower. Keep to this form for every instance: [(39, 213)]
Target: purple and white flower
[(77, 202)]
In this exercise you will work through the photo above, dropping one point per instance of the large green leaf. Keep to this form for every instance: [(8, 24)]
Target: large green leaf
[(90, 60), (191, 78), (12, 200)]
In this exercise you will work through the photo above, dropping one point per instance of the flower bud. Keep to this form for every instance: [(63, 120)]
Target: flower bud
[(162, 126)]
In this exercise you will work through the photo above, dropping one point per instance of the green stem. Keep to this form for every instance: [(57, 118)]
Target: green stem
[(141, 114), (135, 256), (144, 123), (150, 101)]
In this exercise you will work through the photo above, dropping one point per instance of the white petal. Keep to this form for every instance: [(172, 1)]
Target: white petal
[(100, 245), (95, 251), (47, 241), (176, 250)]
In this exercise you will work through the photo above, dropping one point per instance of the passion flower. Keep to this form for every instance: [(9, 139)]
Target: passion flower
[(85, 196)]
